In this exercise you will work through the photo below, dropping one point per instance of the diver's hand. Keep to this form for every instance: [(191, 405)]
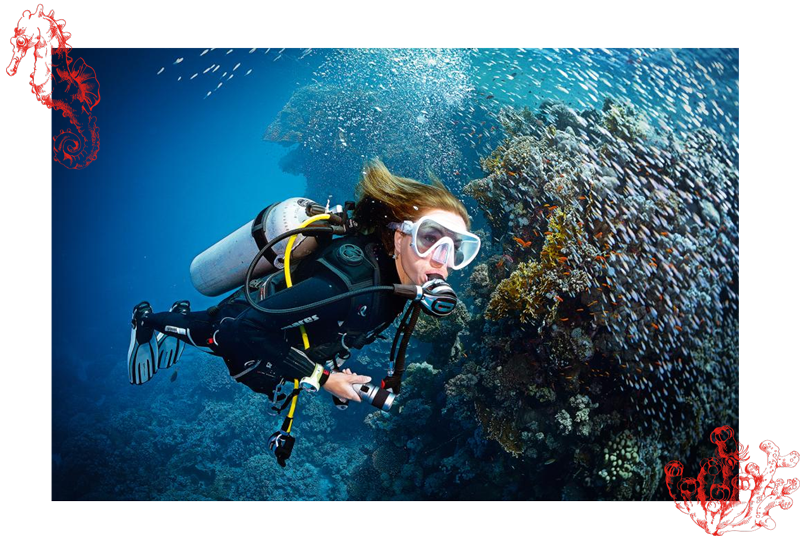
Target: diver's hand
[(340, 384)]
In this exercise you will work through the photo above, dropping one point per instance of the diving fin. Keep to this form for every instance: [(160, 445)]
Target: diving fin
[(171, 348), (143, 351)]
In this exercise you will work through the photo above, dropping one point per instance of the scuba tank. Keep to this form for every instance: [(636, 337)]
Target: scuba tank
[(223, 266)]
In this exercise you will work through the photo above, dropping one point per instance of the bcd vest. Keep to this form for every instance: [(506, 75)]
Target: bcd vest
[(355, 263)]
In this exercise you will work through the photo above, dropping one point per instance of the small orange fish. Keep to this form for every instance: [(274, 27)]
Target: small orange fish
[(582, 197), (652, 264), (664, 233), (500, 263), (564, 319), (679, 328), (562, 259), (598, 235), (655, 326), (552, 207), (559, 298), (522, 243), (595, 301), (548, 233)]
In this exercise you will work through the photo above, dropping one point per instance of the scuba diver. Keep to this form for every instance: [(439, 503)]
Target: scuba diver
[(306, 299)]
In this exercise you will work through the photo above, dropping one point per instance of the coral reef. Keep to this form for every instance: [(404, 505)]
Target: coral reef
[(346, 117), (619, 265)]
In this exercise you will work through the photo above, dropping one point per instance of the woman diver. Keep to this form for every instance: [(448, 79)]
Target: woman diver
[(404, 236)]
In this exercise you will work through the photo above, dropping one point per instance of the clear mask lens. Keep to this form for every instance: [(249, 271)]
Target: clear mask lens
[(449, 247)]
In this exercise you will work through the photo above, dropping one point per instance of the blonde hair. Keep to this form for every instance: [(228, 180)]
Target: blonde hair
[(384, 198)]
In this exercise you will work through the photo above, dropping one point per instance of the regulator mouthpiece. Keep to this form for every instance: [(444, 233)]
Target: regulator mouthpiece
[(438, 298)]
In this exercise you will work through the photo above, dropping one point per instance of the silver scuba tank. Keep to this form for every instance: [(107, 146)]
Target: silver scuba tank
[(223, 266)]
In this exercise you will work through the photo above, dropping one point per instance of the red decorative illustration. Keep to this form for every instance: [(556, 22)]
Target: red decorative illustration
[(76, 81), (715, 499)]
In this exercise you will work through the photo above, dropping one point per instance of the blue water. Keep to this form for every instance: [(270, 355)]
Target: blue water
[(178, 169), (174, 174)]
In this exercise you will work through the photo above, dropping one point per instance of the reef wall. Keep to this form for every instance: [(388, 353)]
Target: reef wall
[(600, 336)]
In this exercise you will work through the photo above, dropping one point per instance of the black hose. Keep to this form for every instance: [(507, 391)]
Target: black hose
[(400, 364), (398, 334)]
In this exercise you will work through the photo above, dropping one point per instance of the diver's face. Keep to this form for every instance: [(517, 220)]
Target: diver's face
[(416, 270)]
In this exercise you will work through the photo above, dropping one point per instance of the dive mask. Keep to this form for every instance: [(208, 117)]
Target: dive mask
[(447, 246)]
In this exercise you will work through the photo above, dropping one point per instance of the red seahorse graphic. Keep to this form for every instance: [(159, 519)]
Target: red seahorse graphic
[(716, 500), (78, 88)]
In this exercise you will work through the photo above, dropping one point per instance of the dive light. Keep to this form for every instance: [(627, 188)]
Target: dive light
[(380, 398)]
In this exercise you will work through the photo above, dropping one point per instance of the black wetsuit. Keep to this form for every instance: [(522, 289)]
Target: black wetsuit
[(256, 346)]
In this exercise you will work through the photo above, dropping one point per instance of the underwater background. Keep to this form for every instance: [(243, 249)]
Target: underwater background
[(598, 337)]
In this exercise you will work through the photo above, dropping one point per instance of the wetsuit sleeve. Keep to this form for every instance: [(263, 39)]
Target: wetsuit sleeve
[(258, 335)]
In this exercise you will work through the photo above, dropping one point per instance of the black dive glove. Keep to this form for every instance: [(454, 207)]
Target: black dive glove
[(296, 364), (335, 351)]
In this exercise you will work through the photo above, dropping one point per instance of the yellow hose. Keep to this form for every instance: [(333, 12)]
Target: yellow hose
[(291, 409), (288, 276), (286, 268)]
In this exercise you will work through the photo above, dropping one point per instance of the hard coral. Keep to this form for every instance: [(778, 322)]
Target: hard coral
[(500, 429)]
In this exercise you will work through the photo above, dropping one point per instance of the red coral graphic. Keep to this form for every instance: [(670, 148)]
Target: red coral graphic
[(712, 499), (76, 81)]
